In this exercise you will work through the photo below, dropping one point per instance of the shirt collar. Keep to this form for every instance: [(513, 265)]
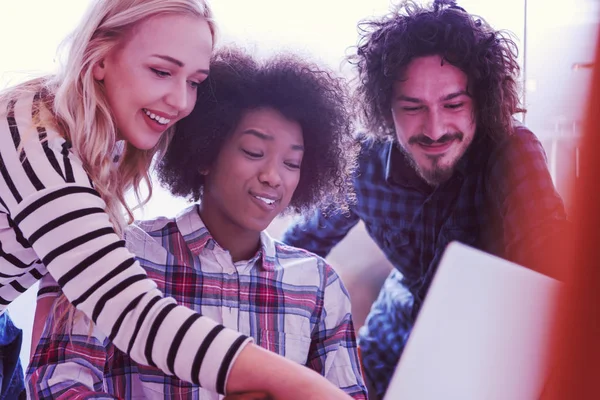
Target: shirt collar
[(198, 238)]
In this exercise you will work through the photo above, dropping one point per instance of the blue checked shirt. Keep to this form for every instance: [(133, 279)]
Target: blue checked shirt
[(501, 199)]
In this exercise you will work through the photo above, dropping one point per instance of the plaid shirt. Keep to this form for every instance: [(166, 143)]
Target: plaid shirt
[(289, 300), (501, 199)]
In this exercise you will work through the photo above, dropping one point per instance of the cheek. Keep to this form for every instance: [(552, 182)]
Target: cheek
[(132, 94), (405, 131), (467, 125), (291, 184), (192, 97), (114, 94), (221, 188), (294, 182), (407, 126), (235, 174)]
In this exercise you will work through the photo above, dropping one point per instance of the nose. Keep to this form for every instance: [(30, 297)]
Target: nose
[(178, 96), (435, 125), (269, 174)]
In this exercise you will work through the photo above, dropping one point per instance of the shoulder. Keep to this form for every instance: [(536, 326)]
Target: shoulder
[(27, 125), (152, 226), (372, 157), (517, 161), (24, 117), (144, 237), (371, 145), (522, 142), (36, 158), (304, 262)]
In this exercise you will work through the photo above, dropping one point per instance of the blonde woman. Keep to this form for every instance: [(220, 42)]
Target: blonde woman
[(131, 73), (276, 130)]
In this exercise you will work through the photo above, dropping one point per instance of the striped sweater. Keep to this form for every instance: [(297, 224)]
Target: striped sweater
[(53, 221)]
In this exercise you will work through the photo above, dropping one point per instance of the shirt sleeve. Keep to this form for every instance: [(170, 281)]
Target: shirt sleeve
[(52, 208), (48, 288), (333, 350), (320, 231), (69, 362), (532, 212)]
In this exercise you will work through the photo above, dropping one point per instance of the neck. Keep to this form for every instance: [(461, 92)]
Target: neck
[(241, 244)]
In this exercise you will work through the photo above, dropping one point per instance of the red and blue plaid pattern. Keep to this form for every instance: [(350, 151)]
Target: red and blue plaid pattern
[(289, 300)]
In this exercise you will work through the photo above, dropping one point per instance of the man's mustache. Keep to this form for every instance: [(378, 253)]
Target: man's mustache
[(427, 141)]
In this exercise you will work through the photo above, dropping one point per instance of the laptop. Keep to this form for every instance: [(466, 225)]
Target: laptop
[(483, 332)]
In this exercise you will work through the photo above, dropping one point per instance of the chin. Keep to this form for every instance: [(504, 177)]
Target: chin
[(257, 226), (144, 143), (436, 175)]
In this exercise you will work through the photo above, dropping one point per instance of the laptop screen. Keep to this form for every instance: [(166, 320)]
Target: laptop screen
[(482, 333)]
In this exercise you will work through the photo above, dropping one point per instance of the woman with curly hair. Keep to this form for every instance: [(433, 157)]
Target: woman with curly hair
[(300, 92), (129, 72), (264, 138), (443, 160)]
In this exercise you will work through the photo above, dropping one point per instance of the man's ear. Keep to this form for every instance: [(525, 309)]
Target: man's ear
[(99, 70)]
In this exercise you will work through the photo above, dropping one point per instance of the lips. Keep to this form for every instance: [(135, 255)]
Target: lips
[(436, 148), (267, 202), (158, 122), (161, 119)]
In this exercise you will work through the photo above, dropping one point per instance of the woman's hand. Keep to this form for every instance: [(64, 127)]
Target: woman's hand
[(259, 370), (249, 396)]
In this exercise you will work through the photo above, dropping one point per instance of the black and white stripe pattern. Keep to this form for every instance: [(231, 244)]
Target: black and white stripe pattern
[(52, 220)]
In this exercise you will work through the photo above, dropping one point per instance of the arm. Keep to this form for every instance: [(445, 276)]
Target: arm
[(51, 203), (319, 232), (69, 361), (521, 190), (51, 208), (43, 308), (48, 292), (333, 351)]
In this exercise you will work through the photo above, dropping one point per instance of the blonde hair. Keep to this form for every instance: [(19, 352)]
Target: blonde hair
[(78, 107)]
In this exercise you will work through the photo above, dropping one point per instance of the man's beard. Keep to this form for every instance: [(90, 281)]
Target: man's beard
[(437, 173)]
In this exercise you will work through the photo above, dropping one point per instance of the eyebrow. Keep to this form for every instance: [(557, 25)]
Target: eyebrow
[(456, 94), (177, 62), (444, 98), (264, 136)]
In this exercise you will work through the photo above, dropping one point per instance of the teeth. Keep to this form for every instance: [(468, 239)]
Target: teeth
[(160, 120), (268, 201)]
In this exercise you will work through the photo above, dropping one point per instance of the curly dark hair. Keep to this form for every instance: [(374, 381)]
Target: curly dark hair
[(488, 58), (300, 91)]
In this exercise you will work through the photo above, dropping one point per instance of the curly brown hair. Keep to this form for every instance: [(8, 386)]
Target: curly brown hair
[(488, 58), (300, 91)]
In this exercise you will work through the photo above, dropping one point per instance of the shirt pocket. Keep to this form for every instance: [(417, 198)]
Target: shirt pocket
[(155, 384), (291, 346), (389, 235), (455, 234)]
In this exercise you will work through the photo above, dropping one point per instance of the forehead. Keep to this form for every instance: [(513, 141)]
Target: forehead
[(271, 122), (428, 78), (181, 36)]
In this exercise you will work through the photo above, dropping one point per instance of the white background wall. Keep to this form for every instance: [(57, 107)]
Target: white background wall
[(322, 29)]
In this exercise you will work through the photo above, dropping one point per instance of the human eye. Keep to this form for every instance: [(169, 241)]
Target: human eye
[(292, 165), (454, 106), (194, 84), (160, 73), (252, 154), (411, 109)]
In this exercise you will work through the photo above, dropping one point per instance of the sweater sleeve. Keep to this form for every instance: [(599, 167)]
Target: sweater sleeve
[(54, 219)]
